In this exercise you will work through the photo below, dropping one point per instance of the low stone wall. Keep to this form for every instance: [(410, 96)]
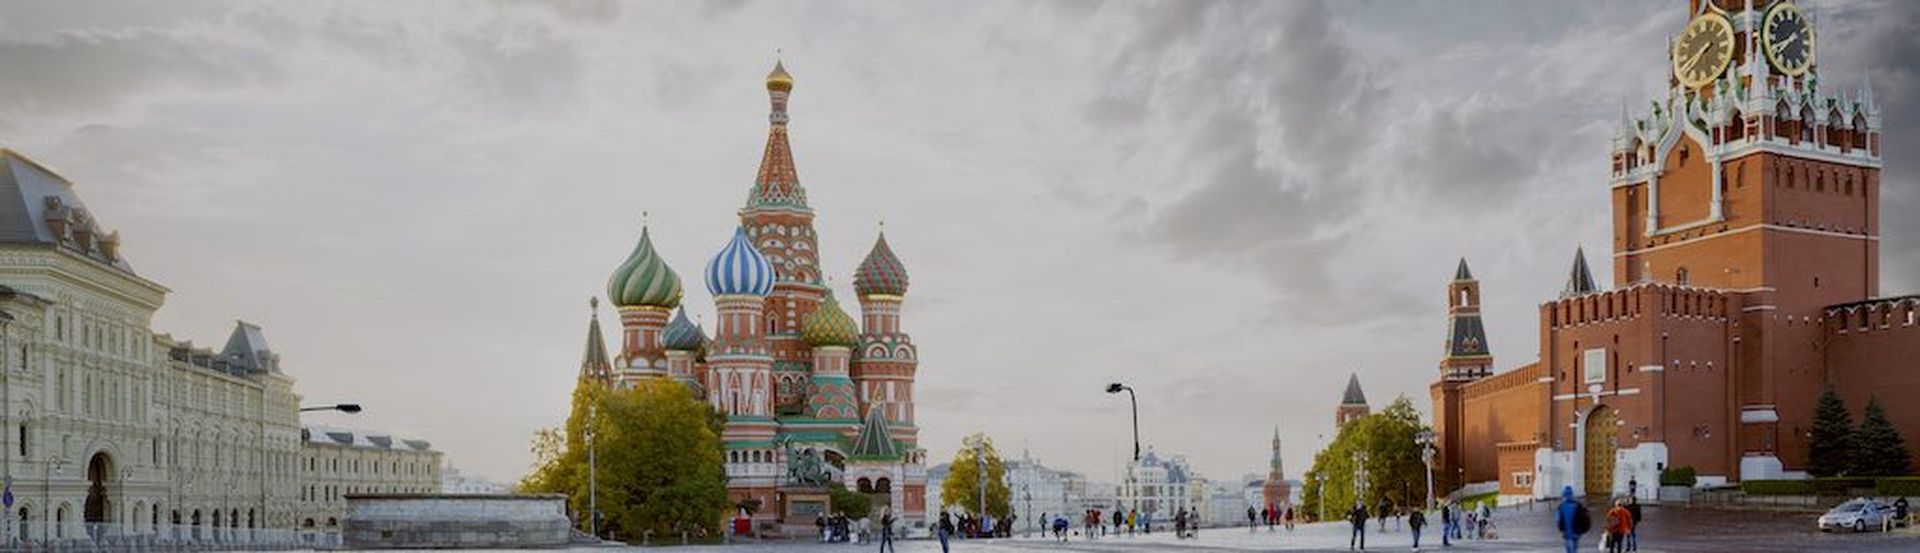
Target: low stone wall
[(441, 521)]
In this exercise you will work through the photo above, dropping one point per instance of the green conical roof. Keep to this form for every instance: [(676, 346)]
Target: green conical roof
[(829, 325), (644, 279)]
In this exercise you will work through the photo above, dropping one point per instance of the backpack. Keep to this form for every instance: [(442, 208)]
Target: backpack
[(1582, 520)]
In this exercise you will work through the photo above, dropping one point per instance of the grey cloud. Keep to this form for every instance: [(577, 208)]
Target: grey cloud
[(101, 68), (1267, 147), (1883, 39)]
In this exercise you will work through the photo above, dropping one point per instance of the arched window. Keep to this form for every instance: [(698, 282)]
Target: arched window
[(1680, 276)]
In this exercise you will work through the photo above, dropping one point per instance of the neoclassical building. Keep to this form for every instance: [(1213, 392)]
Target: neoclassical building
[(1745, 206), (113, 431), (787, 365)]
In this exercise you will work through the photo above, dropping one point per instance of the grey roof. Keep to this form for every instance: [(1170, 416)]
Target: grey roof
[(1580, 279), (30, 193), (1353, 395), (360, 439), (1462, 273), (248, 348), (876, 438), (1467, 337)]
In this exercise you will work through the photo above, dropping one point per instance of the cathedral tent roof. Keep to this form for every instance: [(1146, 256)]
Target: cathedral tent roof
[(1580, 279), (876, 437)]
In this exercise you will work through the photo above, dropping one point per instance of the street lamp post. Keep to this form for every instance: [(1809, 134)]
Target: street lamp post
[(1323, 498), (1425, 440), (593, 476), (1117, 387)]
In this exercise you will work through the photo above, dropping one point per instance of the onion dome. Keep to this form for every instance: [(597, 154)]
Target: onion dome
[(682, 334), (881, 272), (644, 279), (739, 269), (828, 325), (778, 79)]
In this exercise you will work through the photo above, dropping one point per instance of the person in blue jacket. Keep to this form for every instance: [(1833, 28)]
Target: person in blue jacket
[(1565, 517)]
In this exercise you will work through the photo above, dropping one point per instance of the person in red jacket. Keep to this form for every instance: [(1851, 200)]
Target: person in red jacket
[(1619, 524)]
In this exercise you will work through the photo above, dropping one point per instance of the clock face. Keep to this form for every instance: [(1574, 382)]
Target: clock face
[(1789, 39), (1703, 50)]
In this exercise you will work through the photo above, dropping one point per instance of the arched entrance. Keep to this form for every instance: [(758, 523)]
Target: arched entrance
[(1601, 445), (99, 470)]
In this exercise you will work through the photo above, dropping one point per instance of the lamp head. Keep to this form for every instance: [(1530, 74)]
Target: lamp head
[(1115, 388), (348, 408)]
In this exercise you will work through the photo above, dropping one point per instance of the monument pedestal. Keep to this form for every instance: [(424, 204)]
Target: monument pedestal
[(799, 506)]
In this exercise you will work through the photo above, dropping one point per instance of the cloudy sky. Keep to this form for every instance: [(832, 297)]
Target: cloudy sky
[(1231, 206)]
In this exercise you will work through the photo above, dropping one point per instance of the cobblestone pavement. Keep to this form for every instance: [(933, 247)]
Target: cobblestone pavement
[(1663, 530)]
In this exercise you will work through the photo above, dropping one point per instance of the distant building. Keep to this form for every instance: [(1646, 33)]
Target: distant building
[(339, 462), (1353, 404), (1036, 489), (1156, 486), (452, 481)]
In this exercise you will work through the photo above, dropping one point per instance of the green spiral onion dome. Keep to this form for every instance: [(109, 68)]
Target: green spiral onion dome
[(644, 279), (829, 325)]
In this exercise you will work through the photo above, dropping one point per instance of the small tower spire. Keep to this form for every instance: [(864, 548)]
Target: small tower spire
[(1580, 278), (594, 363)]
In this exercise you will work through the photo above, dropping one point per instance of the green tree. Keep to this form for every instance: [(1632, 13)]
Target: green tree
[(1878, 449), (854, 504), (962, 487), (1831, 437), (1390, 459), (659, 461)]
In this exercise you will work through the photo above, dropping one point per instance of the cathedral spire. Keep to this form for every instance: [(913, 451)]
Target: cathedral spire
[(777, 186), (594, 363), (1462, 273)]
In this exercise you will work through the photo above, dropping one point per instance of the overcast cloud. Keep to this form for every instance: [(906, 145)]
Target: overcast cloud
[(1230, 206)]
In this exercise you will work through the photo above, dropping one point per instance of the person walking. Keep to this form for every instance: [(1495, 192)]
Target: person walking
[(1415, 520), (1633, 532), (1446, 524), (1571, 519), (1619, 523), (945, 529), (1358, 517), (886, 530), (1251, 524), (1486, 519), (1146, 523), (1288, 521), (1384, 512)]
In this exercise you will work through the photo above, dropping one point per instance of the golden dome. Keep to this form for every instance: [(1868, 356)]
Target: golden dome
[(779, 79)]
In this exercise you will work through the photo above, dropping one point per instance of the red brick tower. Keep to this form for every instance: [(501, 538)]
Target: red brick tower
[(1276, 492), (1765, 184), (1467, 359)]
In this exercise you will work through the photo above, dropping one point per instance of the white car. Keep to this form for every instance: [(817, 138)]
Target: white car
[(1858, 515)]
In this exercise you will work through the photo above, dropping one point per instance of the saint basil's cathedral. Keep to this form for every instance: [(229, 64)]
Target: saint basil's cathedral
[(787, 365)]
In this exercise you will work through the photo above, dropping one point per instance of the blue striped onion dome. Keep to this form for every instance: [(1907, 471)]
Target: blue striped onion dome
[(828, 325), (644, 279), (881, 272), (682, 334), (739, 269)]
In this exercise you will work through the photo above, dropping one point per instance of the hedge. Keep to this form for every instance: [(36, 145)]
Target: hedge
[(1898, 486), (1777, 487), (1888, 487), (1678, 476)]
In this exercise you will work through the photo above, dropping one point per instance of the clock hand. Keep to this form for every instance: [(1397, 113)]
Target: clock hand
[(1782, 45), (1695, 59)]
